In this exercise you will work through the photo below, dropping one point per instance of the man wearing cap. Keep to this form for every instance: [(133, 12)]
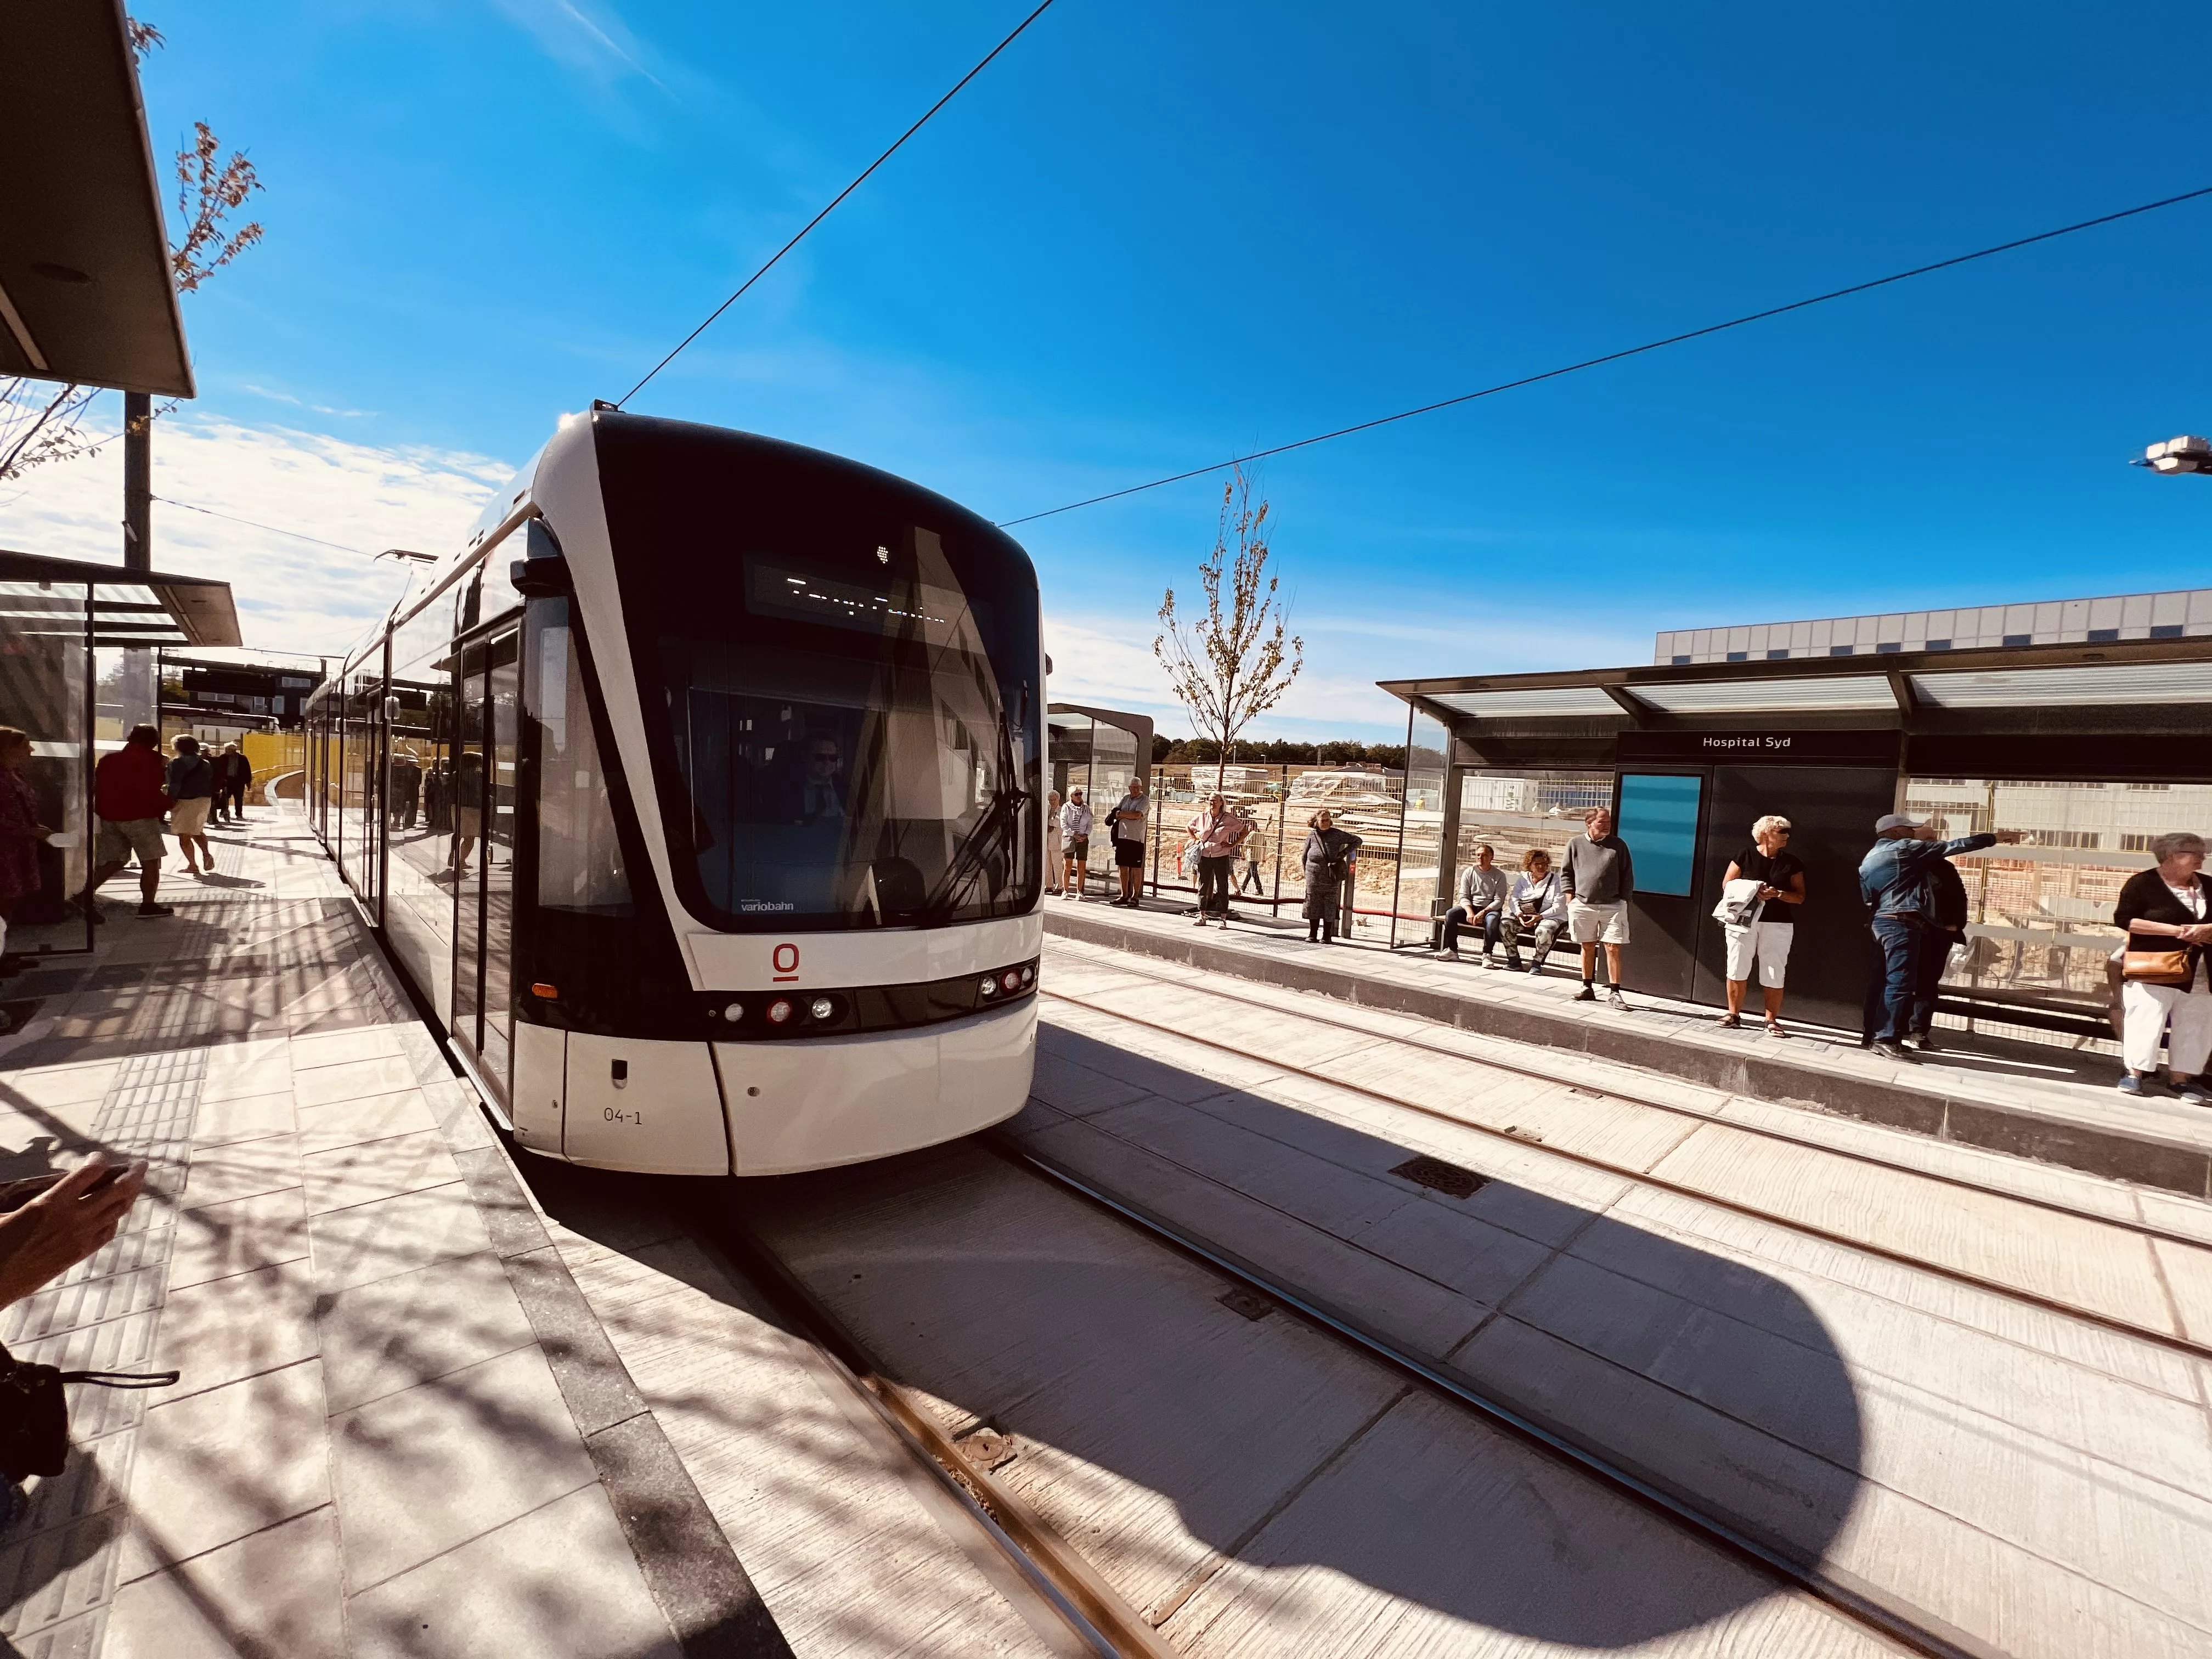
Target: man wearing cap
[(1894, 882)]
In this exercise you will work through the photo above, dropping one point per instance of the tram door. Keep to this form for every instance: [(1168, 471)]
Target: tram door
[(484, 842)]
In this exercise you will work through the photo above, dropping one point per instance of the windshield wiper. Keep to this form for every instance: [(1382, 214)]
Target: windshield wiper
[(1000, 820)]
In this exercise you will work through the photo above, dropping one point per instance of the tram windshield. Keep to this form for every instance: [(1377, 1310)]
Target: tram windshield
[(852, 717)]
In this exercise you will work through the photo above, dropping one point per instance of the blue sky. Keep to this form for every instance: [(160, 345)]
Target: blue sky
[(1154, 234)]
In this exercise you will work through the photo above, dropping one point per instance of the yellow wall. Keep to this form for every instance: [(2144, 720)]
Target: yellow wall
[(273, 754)]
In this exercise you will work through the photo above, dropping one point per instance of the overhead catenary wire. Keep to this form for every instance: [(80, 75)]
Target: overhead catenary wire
[(863, 178), (1616, 356), (250, 524)]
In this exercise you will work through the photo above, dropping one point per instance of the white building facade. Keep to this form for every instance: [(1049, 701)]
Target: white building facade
[(2170, 616)]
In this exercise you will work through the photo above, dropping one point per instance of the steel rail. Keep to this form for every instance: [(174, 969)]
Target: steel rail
[(1660, 1183), (1052, 1568), (1861, 1603), (2148, 1229)]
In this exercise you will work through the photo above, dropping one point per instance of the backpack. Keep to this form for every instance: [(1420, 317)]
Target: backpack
[(1943, 897)]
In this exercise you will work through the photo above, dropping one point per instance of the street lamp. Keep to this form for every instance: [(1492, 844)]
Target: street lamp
[(2179, 455)]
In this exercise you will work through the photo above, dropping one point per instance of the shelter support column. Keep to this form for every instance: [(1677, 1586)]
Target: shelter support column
[(1448, 848)]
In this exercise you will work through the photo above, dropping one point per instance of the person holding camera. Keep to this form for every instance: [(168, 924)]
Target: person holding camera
[(1894, 882)]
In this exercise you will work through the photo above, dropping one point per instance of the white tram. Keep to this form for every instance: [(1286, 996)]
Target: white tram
[(699, 797)]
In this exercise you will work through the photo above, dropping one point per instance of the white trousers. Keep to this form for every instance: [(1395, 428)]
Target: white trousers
[(1768, 941), (2151, 1009)]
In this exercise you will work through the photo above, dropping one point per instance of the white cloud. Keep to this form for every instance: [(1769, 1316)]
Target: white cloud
[(302, 403), (291, 594), (602, 47)]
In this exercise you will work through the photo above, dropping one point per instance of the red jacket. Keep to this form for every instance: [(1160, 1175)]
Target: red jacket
[(128, 783)]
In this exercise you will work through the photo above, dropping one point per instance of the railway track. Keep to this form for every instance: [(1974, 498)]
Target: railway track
[(1099, 1620), (1065, 1567), (1775, 1213)]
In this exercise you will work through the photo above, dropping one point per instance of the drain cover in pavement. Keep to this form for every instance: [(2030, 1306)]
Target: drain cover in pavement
[(1243, 1299), (1440, 1176)]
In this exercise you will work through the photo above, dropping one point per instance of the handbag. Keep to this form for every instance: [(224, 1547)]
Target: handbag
[(2172, 967), (35, 1413)]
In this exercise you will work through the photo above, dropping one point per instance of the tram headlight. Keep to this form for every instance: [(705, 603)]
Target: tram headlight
[(989, 987), (1029, 975), (734, 1012), (779, 1011), (821, 1008), (1010, 981)]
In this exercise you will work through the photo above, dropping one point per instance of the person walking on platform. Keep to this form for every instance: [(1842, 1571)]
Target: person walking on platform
[(128, 799), (191, 788), (1765, 920), (1125, 830), (1250, 881), (234, 773), (1894, 882), (1482, 892), (2164, 987), (406, 789), (1599, 875), (1329, 860), (1217, 832), (1075, 821), (1052, 877), (1536, 904)]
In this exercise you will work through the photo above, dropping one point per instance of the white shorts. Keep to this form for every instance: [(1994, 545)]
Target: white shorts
[(1598, 924), (1768, 941), (2184, 1017)]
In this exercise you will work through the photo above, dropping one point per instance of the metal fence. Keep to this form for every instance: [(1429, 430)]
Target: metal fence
[(1280, 802)]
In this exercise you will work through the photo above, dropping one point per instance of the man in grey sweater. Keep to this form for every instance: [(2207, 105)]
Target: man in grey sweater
[(1599, 877)]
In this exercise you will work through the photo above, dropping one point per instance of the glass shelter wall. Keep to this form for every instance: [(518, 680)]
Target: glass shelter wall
[(44, 674), (1516, 812), (2039, 914), (1420, 876)]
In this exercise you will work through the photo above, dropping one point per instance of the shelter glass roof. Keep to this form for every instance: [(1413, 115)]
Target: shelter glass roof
[(1780, 696), (2117, 682), (1536, 703)]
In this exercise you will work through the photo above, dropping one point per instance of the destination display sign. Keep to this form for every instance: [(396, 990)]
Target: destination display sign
[(1753, 747)]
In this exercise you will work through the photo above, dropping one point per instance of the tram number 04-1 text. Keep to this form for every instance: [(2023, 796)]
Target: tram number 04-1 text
[(616, 1115)]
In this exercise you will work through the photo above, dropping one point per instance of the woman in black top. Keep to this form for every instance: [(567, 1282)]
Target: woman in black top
[(1328, 860), (1768, 935), (2165, 908)]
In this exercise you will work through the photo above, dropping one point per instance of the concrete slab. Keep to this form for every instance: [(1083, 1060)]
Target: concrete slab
[(260, 1054), (555, 1581)]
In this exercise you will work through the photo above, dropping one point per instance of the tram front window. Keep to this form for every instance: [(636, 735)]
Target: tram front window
[(855, 736)]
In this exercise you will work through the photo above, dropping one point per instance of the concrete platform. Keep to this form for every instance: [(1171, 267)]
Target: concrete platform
[(2029, 1481), (2026, 1099), (400, 1429)]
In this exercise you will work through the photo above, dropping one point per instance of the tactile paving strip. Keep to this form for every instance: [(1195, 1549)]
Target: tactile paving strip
[(57, 1567)]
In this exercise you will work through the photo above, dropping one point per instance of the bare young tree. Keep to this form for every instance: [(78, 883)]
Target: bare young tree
[(1233, 663), (40, 422)]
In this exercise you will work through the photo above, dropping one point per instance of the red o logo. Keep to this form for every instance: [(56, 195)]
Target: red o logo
[(786, 961)]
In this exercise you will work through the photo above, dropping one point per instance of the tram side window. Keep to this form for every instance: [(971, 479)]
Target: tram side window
[(580, 863)]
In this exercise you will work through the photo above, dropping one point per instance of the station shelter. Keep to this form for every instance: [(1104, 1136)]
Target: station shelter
[(64, 626), (2090, 751), (1097, 750)]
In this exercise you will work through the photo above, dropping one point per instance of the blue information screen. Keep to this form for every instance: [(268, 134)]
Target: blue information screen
[(1659, 822)]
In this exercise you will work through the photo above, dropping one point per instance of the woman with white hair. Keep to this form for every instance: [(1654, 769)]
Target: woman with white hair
[(1767, 921), (2164, 991)]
